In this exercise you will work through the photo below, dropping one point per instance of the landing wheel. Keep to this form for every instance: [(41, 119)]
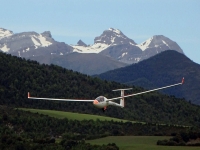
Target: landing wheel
[(103, 109)]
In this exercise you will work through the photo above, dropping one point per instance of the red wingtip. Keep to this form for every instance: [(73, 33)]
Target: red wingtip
[(28, 94), (182, 80)]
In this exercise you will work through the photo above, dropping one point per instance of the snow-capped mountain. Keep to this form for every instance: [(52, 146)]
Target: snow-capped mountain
[(111, 43), (27, 44), (113, 37), (157, 44), (115, 44), (107, 39)]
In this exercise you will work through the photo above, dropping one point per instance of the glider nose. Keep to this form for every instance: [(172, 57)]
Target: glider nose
[(95, 102)]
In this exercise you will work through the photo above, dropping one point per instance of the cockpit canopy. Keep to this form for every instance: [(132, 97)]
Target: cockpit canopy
[(100, 98)]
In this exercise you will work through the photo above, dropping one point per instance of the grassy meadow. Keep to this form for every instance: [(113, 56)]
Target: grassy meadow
[(123, 142), (138, 143), (70, 115)]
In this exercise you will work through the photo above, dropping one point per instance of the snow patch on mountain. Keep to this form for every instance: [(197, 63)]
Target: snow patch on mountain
[(165, 43), (40, 41), (96, 48), (143, 46), (5, 48), (115, 30), (5, 33), (123, 54)]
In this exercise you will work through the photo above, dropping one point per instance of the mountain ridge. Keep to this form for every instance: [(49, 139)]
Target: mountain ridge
[(158, 70), (97, 63)]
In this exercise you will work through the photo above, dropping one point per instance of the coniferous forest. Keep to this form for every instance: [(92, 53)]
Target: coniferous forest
[(21, 129)]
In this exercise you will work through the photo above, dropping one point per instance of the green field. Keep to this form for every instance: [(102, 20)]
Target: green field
[(72, 116), (138, 143), (123, 142)]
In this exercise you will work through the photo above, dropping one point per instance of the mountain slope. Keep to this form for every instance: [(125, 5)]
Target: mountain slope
[(165, 68), (89, 64)]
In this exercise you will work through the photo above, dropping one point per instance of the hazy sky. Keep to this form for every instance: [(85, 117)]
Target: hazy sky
[(71, 20)]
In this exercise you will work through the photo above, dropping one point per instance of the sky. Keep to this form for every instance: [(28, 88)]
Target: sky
[(72, 20)]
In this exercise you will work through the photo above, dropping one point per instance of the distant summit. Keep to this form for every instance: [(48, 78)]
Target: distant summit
[(113, 37), (81, 43), (159, 42), (46, 34)]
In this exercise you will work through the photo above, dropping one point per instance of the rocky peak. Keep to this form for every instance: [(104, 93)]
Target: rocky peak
[(81, 43), (113, 37), (160, 42), (47, 34)]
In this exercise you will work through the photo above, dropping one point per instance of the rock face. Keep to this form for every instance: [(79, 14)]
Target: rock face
[(113, 37)]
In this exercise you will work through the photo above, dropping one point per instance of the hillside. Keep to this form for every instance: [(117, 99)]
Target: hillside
[(18, 76), (165, 68), (89, 64)]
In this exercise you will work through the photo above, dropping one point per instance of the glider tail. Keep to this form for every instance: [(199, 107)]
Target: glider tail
[(122, 95), (122, 99)]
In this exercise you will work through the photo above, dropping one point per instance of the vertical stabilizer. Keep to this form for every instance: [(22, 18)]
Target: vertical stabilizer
[(122, 99), (122, 95)]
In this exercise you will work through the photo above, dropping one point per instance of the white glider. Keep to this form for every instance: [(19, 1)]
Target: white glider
[(102, 102)]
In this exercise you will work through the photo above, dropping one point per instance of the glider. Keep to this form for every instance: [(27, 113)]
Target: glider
[(102, 102)]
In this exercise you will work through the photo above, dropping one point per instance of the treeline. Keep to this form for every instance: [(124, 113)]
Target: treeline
[(20, 129), (182, 139), (19, 76)]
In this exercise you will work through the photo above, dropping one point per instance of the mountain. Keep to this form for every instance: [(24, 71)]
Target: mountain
[(112, 44), (163, 69), (108, 38), (157, 44), (115, 44), (19, 76), (43, 48), (86, 63), (28, 44)]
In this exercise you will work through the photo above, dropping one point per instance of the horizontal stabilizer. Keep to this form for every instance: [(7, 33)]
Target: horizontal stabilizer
[(122, 89)]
